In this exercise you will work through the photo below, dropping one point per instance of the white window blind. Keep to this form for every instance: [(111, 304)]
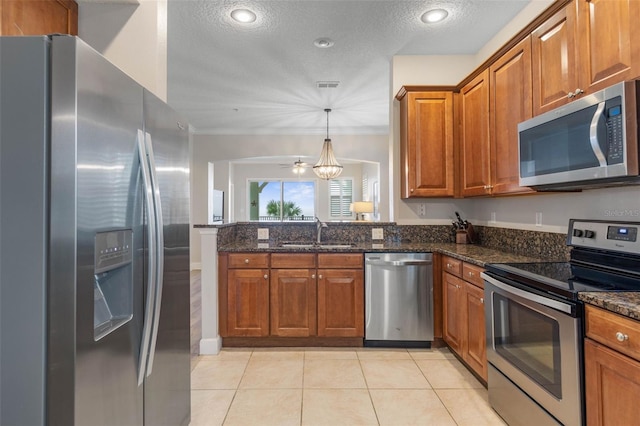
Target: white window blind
[(340, 197)]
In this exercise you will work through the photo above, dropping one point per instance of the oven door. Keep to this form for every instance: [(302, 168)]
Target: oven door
[(536, 342)]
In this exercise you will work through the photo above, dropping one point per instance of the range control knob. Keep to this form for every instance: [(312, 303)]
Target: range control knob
[(578, 233), (589, 234)]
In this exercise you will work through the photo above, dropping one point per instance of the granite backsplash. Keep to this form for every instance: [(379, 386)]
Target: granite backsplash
[(544, 245)]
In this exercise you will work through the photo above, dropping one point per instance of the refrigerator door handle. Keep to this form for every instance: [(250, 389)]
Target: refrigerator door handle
[(151, 268), (159, 252)]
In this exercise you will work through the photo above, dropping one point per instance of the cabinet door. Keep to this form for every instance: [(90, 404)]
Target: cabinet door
[(612, 386), (341, 302), (609, 42), (554, 60), (36, 17), (510, 104), (248, 302), (475, 136), (293, 302), (476, 350), (427, 144), (453, 311)]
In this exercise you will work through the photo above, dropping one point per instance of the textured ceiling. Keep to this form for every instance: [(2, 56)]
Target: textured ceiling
[(261, 78)]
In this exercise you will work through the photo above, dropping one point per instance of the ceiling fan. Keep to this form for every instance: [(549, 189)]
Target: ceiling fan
[(298, 167)]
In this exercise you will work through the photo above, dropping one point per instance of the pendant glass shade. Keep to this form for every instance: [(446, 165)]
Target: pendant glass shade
[(327, 166)]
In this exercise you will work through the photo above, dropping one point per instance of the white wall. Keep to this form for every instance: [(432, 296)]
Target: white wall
[(222, 150), (131, 35)]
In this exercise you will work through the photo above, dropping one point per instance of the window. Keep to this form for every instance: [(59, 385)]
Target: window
[(279, 200), (340, 198)]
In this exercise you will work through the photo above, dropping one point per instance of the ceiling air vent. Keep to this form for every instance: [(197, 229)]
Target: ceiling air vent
[(327, 84)]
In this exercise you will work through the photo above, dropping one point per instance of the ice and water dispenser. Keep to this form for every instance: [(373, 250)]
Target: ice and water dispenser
[(113, 281)]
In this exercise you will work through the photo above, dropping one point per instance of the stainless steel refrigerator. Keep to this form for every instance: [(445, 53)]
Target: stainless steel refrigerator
[(94, 242)]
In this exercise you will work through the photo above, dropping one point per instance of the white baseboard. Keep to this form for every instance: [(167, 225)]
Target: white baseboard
[(210, 346)]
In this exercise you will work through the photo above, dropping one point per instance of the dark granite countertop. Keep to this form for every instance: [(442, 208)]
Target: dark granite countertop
[(474, 254), (626, 303)]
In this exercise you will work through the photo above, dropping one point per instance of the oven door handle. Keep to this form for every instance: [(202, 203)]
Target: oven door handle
[(554, 304)]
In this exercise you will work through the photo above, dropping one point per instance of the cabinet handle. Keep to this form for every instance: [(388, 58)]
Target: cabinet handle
[(266, 276), (471, 274), (488, 187), (621, 337), (246, 261), (449, 265)]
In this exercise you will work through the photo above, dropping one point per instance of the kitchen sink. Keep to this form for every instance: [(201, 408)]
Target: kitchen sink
[(303, 245)]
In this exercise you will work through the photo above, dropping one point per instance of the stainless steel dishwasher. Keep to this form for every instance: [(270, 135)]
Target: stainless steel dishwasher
[(398, 299)]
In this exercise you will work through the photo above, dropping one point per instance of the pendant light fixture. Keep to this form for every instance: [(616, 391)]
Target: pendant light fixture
[(327, 167)]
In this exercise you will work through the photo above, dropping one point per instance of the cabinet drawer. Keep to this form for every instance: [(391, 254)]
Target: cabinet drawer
[(471, 273), (249, 260), (288, 260), (343, 260), (452, 266), (617, 332)]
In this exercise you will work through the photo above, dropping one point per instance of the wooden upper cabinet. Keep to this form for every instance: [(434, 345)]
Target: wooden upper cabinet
[(426, 148), (474, 138), (608, 42), (554, 60), (36, 17), (510, 104)]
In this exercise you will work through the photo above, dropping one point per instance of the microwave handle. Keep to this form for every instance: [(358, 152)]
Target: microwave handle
[(593, 135)]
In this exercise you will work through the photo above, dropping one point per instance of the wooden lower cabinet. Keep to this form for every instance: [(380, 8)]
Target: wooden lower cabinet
[(452, 299), (612, 386), (463, 324), (341, 303), (476, 350), (292, 295), (293, 302), (248, 302)]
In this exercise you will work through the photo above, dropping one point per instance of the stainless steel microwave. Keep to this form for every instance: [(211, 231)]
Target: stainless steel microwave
[(590, 142)]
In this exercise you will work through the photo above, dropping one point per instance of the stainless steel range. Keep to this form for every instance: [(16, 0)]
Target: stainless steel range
[(535, 322)]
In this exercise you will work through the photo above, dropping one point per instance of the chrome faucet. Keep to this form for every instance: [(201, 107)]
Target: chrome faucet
[(319, 226)]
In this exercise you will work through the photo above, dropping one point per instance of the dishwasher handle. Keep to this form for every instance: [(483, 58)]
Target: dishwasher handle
[(407, 262)]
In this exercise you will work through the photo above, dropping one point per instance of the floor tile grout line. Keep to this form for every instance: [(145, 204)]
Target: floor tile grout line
[(235, 393)]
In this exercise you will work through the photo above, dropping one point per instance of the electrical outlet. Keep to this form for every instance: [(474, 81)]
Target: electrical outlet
[(538, 218), (263, 233), (422, 209), (377, 234), (493, 217)]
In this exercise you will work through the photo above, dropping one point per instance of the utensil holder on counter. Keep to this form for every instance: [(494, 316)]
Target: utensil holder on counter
[(462, 237)]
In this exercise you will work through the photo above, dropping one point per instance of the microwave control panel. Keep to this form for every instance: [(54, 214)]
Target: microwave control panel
[(615, 137)]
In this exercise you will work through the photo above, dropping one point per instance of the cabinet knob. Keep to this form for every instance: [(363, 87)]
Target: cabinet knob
[(320, 276), (457, 286), (471, 273), (266, 276), (411, 190), (570, 95), (488, 186), (578, 91), (449, 265), (482, 300), (246, 261), (313, 276), (621, 337)]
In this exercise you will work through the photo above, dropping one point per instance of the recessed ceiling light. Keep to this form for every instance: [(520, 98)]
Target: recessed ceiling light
[(244, 16), (323, 42), (434, 15)]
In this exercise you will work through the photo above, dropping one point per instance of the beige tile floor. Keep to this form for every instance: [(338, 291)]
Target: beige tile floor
[(337, 387)]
